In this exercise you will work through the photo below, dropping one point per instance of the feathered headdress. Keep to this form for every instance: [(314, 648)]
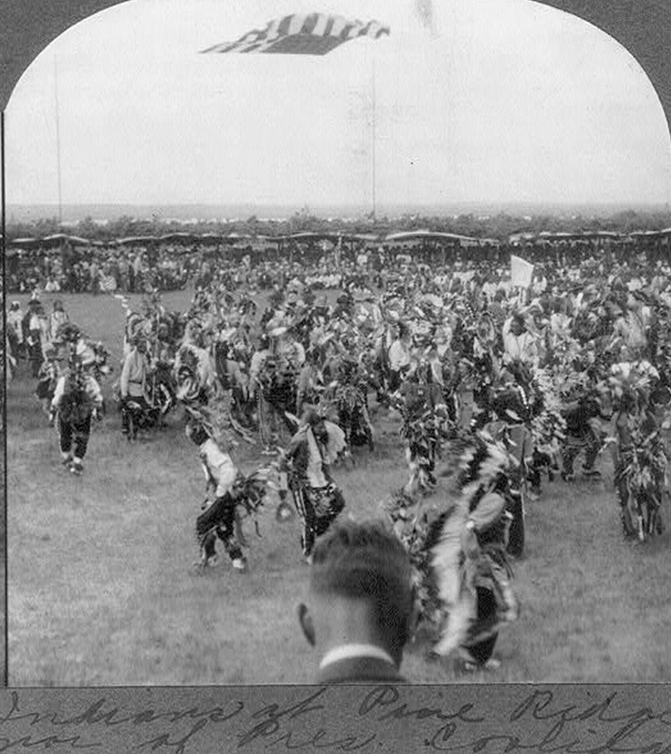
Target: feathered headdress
[(632, 382), (68, 332), (484, 465), (216, 419), (479, 506)]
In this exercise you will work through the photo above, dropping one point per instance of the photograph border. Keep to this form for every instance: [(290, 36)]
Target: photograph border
[(576, 719)]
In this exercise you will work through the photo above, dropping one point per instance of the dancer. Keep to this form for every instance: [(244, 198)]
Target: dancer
[(231, 492), (77, 400), (305, 470), (473, 576)]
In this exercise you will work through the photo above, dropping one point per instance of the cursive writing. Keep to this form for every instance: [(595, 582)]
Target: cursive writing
[(48, 742), (272, 717), (102, 715), (472, 720), (563, 730), (321, 741), (383, 703)]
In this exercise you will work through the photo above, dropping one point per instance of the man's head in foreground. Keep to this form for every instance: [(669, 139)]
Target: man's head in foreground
[(361, 600)]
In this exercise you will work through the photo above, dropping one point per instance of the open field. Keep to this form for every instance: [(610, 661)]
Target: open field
[(101, 590)]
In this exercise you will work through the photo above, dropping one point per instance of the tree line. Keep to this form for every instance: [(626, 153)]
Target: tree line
[(499, 226)]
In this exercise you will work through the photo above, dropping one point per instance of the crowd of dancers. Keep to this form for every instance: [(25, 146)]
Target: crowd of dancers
[(499, 389)]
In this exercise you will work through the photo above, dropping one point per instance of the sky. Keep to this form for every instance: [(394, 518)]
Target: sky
[(494, 102)]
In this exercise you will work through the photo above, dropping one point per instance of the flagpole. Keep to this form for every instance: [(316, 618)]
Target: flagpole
[(58, 145), (374, 139)]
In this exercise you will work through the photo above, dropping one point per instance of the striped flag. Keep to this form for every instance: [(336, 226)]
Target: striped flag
[(108, 283), (302, 34)]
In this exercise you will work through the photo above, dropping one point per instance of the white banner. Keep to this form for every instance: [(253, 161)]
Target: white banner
[(521, 272)]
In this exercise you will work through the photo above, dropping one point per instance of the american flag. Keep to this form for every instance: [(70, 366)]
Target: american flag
[(108, 283), (303, 34)]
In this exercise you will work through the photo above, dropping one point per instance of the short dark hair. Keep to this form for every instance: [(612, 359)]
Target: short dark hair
[(365, 561)]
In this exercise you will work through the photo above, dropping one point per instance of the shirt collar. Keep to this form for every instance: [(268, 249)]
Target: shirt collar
[(350, 651)]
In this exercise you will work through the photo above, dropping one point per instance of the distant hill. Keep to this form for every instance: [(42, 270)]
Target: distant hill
[(72, 214)]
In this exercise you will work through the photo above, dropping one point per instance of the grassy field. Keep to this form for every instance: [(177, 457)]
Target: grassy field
[(101, 590)]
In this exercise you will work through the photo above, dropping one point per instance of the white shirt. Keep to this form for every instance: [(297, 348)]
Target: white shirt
[(399, 355), (350, 651), (218, 467), (522, 346), (14, 320)]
